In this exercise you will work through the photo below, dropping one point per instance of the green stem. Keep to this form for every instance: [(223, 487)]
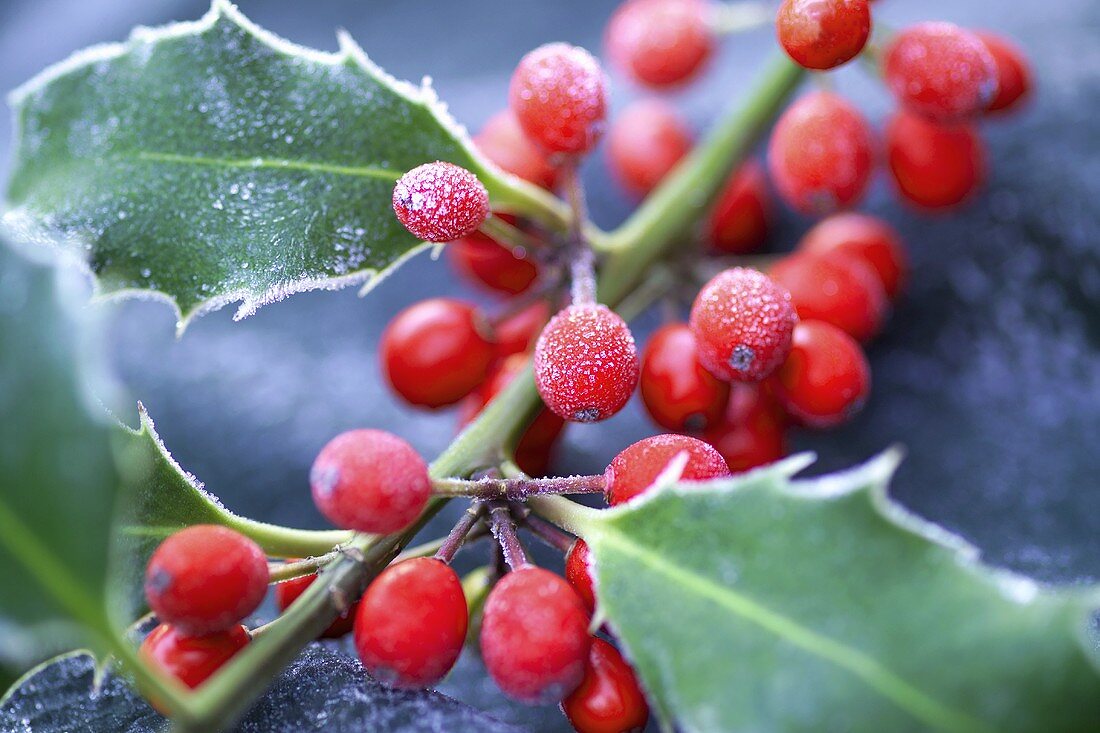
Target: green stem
[(569, 515), (279, 541), (531, 202), (508, 235)]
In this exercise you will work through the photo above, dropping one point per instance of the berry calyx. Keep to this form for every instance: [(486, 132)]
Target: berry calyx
[(940, 71), (503, 141), (646, 141), (866, 237), (836, 288), (636, 468), (934, 166), (558, 95), (740, 220), (492, 265), (754, 431), (586, 363), (439, 202), (1013, 72), (823, 34), (678, 391), (826, 379), (288, 591), (577, 572), (191, 659), (534, 636), (436, 352), (205, 578), (609, 698), (411, 623), (660, 43), (821, 154), (742, 321), (370, 481)]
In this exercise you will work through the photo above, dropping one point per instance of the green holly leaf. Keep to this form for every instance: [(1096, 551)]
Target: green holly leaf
[(766, 604), (211, 162)]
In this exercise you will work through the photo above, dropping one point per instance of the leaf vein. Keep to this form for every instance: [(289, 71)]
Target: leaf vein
[(276, 163)]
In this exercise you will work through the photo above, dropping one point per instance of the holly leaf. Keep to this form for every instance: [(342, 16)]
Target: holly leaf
[(763, 603), (211, 162)]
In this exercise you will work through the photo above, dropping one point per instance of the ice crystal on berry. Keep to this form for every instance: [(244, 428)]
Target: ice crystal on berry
[(440, 202)]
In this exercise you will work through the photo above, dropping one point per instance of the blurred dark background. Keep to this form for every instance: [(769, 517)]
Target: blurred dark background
[(989, 372)]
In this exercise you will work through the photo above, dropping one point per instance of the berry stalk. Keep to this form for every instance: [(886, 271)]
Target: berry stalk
[(517, 489)]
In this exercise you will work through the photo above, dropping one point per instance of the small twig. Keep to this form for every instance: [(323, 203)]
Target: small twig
[(457, 536), (517, 489), (582, 262), (548, 533), (504, 529), (281, 572), (509, 235)]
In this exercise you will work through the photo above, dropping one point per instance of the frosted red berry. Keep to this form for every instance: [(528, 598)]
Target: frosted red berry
[(558, 94), (191, 659), (677, 391), (826, 379), (836, 288), (609, 699), (503, 141), (517, 333), (534, 636), (411, 623), (439, 202), (867, 237), (660, 43), (205, 578), (940, 71), (823, 34), (436, 352), (821, 154), (636, 468), (288, 591), (934, 166), (740, 220), (370, 481), (1013, 72), (578, 573), (491, 265), (646, 141), (742, 322), (586, 363), (754, 431)]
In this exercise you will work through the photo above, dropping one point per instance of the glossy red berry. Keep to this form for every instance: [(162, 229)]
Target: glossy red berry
[(821, 154), (205, 578), (823, 34), (192, 659), (636, 468), (577, 572), (934, 166), (586, 364), (370, 481), (646, 141), (677, 391), (740, 220), (558, 94), (866, 237), (826, 379), (491, 265), (411, 623), (754, 431), (609, 699), (940, 71), (742, 322), (436, 352), (503, 141), (288, 591), (660, 43), (1013, 72), (836, 288), (517, 333), (534, 636), (439, 202)]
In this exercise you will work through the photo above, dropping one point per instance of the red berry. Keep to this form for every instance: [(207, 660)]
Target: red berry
[(866, 237), (503, 141), (660, 42), (577, 572), (826, 379), (411, 623), (609, 699), (558, 95), (586, 364), (485, 262), (836, 288), (742, 322), (645, 142), (435, 352), (534, 636), (739, 222), (678, 391), (288, 591), (934, 166), (517, 333), (940, 71), (1013, 72), (821, 154), (370, 481), (205, 578), (192, 659), (439, 202), (823, 34), (753, 433), (636, 468)]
